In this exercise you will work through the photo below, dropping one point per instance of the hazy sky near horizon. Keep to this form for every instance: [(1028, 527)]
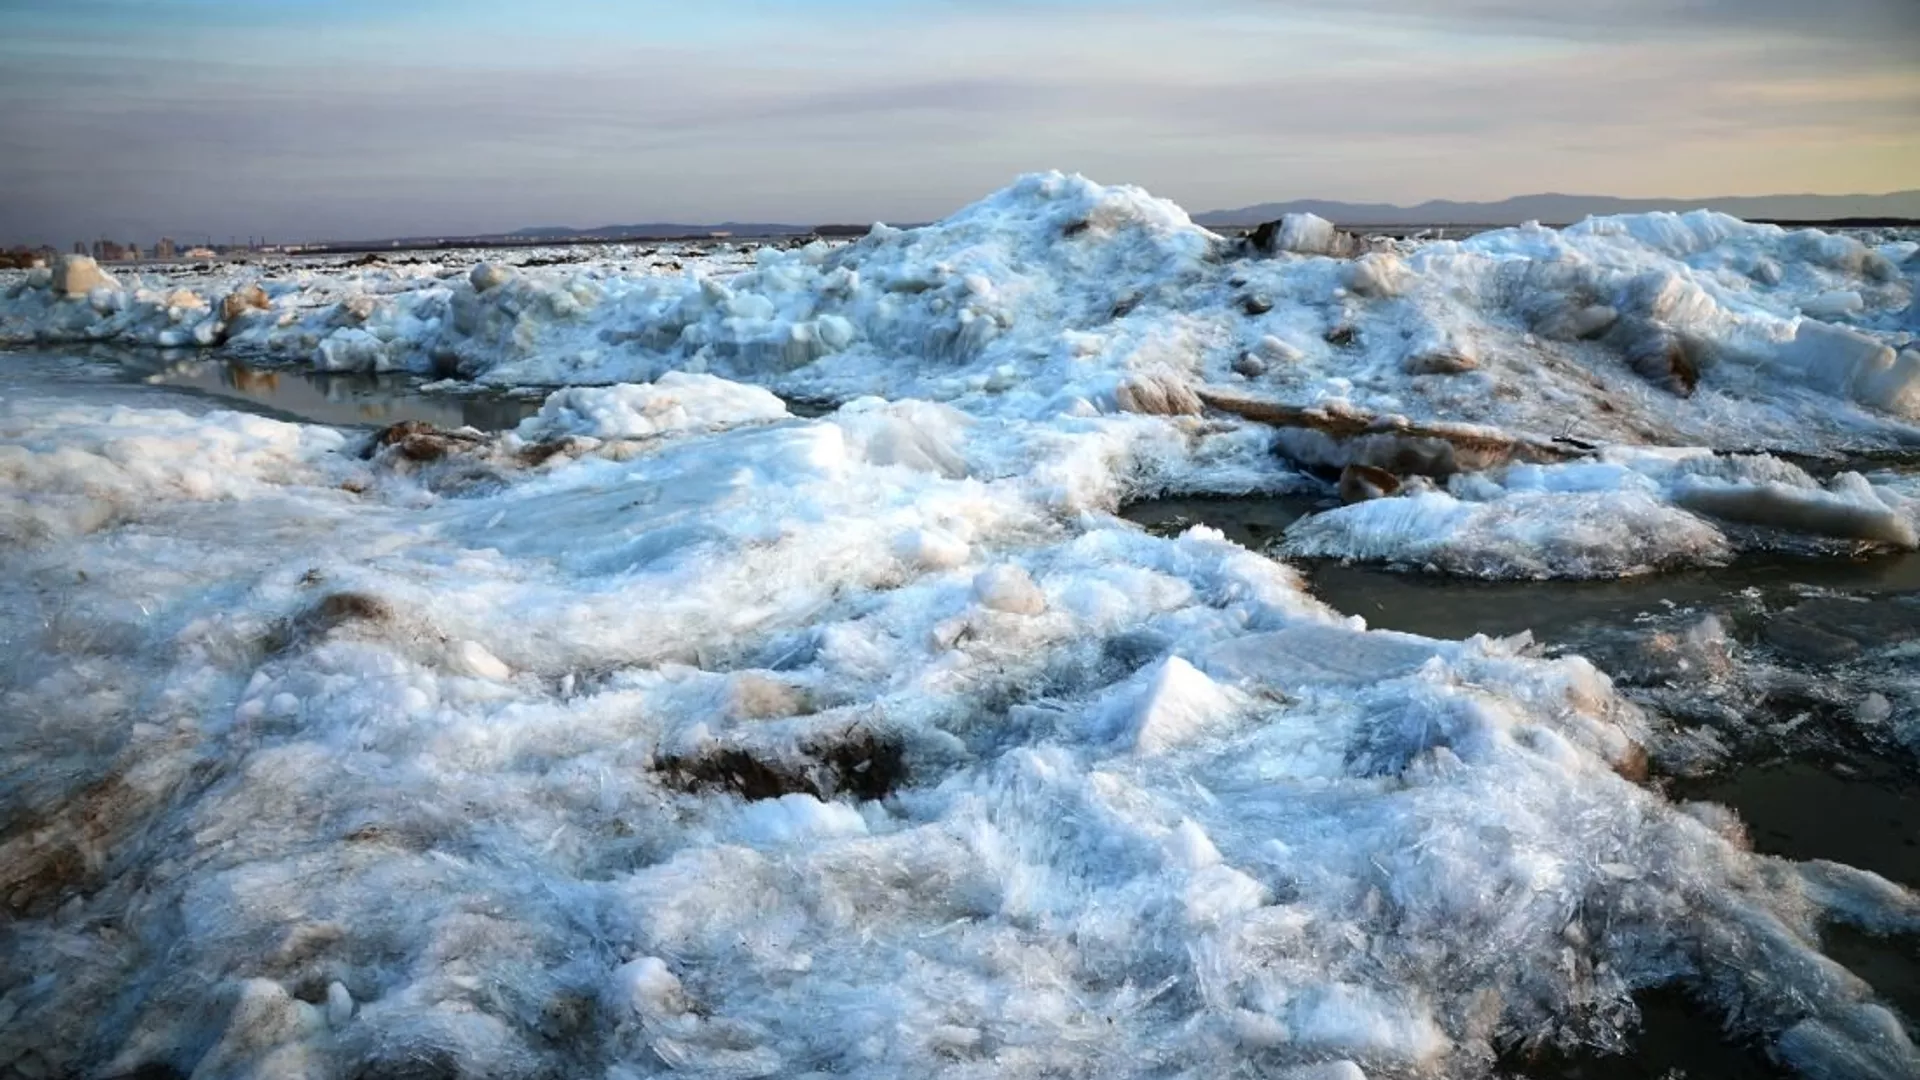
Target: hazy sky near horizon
[(304, 119)]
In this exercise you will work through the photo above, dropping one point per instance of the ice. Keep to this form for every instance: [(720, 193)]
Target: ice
[(1009, 588), (1633, 511), (76, 276), (675, 731), (1176, 704), (1849, 508), (1309, 234), (1849, 363), (1518, 535), (676, 402), (1074, 861), (71, 471), (1058, 291)]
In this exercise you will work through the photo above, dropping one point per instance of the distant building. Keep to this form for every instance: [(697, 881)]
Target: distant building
[(165, 249), (79, 247), (200, 253)]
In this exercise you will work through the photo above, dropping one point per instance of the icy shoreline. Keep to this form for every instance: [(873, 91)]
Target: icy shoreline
[(674, 732), (1058, 298)]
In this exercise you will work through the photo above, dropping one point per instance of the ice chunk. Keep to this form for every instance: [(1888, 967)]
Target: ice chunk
[(473, 658), (487, 275), (1848, 363), (1835, 304), (648, 987), (1516, 534), (916, 435), (1332, 1070), (1302, 234), (1156, 394), (1317, 655), (1009, 588), (1849, 508), (350, 349), (676, 402), (932, 549), (78, 276), (339, 1005), (791, 818), (244, 300), (1177, 704), (1377, 274), (1358, 1020), (1870, 1043)]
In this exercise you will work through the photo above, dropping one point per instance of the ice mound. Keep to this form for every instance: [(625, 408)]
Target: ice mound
[(675, 402), (672, 758), (1633, 511), (1059, 295), (69, 471)]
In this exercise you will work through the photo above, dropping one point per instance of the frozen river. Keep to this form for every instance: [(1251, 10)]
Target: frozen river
[(442, 670)]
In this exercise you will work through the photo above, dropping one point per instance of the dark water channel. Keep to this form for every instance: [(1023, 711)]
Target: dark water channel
[(340, 399)]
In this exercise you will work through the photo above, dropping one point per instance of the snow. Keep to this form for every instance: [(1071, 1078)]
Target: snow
[(663, 730)]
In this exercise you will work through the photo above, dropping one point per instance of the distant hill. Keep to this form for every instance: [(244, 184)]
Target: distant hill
[(1556, 209), (665, 230)]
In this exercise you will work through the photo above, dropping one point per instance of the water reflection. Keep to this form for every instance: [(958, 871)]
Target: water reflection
[(342, 399)]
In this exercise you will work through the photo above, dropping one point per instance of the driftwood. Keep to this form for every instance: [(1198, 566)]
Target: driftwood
[(1337, 438)]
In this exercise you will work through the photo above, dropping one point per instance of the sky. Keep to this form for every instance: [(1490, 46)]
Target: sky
[(318, 119)]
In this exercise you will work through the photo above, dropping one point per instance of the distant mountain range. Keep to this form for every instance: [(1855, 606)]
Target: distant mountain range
[(1550, 209), (1556, 209), (661, 229)]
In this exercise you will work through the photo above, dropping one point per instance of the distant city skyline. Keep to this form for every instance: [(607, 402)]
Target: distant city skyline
[(302, 120)]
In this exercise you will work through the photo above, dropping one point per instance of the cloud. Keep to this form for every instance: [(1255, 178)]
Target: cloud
[(905, 111), (1895, 23)]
